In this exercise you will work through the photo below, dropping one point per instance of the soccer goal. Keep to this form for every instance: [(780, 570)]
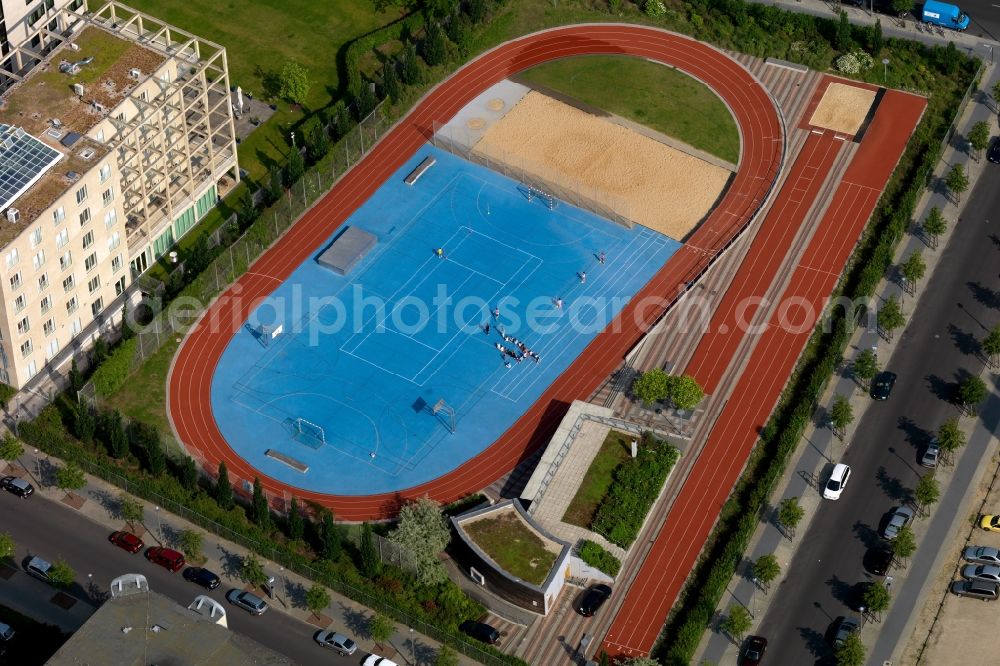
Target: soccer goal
[(549, 200), (309, 433), (446, 414)]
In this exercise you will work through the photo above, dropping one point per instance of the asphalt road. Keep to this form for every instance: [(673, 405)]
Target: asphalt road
[(934, 355), (984, 18), (51, 530)]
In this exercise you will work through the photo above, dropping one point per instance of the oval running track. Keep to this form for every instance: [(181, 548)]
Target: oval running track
[(762, 150)]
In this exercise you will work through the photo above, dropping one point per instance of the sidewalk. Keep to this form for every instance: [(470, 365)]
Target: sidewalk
[(821, 447), (224, 557)]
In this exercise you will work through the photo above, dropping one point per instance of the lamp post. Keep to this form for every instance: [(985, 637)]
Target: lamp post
[(413, 654), (885, 70), (904, 285), (293, 139), (159, 528), (990, 47), (753, 598), (862, 609)]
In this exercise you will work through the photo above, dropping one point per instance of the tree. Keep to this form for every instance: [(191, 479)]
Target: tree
[(6, 393), (446, 656), (390, 80), (890, 317), (191, 542), (296, 525), (364, 101), (434, 47), (76, 380), (902, 6), (7, 546), (652, 386), (423, 531), (131, 510), (971, 393), (381, 629), (478, 10), (913, 270), (865, 366), (10, 448), (410, 70), (876, 39), (317, 599), (957, 182), (61, 574), (293, 83), (128, 323), (842, 38), (329, 538), (371, 564), (979, 138), (934, 225), (991, 346), (876, 599), (927, 492), (685, 393), (317, 142), (276, 184), (99, 353), (790, 514), (85, 425), (851, 652), (459, 30), (295, 168), (904, 544), (766, 569), (252, 571), (260, 513), (950, 438), (114, 433), (144, 440), (996, 93), (841, 415), (187, 474), (737, 622), (70, 477), (223, 488)]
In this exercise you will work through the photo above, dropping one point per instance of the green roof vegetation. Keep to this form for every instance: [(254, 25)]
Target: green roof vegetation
[(513, 545)]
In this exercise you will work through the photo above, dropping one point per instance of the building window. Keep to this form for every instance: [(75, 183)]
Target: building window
[(36, 237), (105, 172), (96, 307), (71, 305), (20, 302), (121, 116), (25, 348), (114, 240), (94, 284), (120, 286), (31, 370), (23, 326), (38, 260), (62, 238), (11, 258), (117, 264), (110, 218), (15, 280), (100, 136), (76, 326), (81, 194), (43, 281), (46, 304), (58, 216), (53, 349), (49, 327), (108, 196), (84, 217), (90, 262), (66, 260), (88, 240), (69, 283)]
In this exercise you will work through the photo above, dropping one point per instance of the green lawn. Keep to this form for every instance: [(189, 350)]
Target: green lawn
[(513, 546), (615, 450), (659, 97)]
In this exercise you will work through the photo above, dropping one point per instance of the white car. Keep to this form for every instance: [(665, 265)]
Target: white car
[(838, 480), (375, 660)]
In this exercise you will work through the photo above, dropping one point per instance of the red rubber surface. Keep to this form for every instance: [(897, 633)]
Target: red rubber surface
[(189, 385), (680, 540)]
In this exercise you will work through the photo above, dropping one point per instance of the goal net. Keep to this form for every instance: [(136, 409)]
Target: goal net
[(309, 433), (547, 198)]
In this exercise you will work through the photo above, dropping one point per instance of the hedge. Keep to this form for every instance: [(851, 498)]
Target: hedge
[(111, 375), (594, 555)]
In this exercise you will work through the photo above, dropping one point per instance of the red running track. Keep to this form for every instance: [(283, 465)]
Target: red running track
[(189, 384), (680, 540)]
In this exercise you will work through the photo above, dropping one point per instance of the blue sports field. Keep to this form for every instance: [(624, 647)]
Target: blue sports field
[(348, 388)]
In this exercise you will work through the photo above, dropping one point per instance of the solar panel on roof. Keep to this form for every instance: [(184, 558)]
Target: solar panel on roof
[(23, 160)]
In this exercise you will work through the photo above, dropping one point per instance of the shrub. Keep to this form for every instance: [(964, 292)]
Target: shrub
[(594, 555), (655, 9), (111, 375), (293, 83)]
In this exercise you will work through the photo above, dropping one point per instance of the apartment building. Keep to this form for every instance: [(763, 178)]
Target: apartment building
[(20, 18), (116, 137)]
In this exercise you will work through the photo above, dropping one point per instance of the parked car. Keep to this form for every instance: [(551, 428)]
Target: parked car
[(167, 558), (990, 522), (856, 596), (882, 385), (901, 517), (203, 577), (126, 541), (593, 599), (481, 632), (842, 628), (987, 572), (977, 589), (375, 660), (39, 568), (877, 560), (753, 651), (6, 632), (339, 642), (931, 454), (993, 154), (17, 486), (248, 601), (838, 479), (981, 555)]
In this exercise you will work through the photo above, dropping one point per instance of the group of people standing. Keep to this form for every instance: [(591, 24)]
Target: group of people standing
[(519, 352)]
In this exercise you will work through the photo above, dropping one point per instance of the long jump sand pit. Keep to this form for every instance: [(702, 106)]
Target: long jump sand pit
[(843, 108), (638, 177)]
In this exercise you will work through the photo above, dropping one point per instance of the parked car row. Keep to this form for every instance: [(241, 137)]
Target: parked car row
[(981, 577)]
